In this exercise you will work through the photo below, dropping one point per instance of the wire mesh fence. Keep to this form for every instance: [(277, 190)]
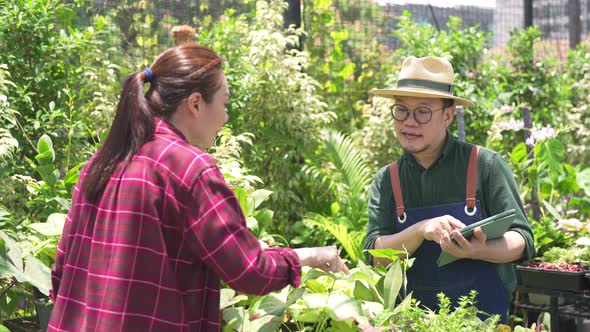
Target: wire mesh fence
[(555, 18)]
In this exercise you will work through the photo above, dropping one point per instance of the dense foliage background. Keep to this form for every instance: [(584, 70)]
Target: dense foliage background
[(304, 139)]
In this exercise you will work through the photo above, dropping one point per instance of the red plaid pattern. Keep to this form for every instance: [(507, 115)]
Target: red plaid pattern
[(149, 256)]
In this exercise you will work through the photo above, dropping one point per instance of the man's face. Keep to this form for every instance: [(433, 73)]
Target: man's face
[(418, 138)]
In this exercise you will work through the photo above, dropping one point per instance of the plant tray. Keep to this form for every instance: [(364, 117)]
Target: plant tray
[(551, 279)]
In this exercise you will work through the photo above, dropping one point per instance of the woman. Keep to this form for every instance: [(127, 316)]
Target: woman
[(154, 227)]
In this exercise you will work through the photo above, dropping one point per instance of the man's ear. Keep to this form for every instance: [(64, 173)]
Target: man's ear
[(449, 115)]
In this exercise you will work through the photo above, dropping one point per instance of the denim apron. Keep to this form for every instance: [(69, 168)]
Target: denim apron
[(425, 278)]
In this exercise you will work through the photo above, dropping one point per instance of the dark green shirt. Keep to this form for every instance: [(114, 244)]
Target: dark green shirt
[(444, 182)]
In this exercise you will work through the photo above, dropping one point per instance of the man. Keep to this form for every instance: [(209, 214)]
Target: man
[(419, 202)]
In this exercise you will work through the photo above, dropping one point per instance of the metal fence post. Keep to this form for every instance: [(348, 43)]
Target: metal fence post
[(460, 123), (528, 125), (575, 26), (528, 13)]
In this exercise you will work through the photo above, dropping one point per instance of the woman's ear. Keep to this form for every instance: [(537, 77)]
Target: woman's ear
[(194, 101)]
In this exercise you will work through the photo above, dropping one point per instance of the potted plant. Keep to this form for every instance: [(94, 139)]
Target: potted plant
[(22, 270), (558, 269)]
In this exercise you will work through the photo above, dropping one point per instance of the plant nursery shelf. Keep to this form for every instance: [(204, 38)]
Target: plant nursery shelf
[(559, 303)]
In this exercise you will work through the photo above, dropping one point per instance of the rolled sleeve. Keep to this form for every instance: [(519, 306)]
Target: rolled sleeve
[(220, 238), (503, 195), (380, 208)]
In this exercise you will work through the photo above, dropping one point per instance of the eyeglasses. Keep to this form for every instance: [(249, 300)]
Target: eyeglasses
[(422, 114)]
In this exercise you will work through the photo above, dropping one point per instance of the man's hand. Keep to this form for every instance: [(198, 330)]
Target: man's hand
[(463, 248), (436, 229)]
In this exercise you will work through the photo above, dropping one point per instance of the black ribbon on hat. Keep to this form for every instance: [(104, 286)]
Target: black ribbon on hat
[(418, 83)]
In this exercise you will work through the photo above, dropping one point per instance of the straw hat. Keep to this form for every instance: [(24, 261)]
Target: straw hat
[(428, 77)]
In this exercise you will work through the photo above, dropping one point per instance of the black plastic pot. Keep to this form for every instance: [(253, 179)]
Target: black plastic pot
[(551, 279)]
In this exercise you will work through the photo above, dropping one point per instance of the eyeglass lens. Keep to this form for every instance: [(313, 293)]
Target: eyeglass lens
[(422, 115)]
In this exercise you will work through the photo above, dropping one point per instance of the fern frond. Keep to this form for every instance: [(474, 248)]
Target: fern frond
[(351, 241)]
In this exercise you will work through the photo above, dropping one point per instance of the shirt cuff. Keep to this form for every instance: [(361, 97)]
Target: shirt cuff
[(294, 265), (529, 248)]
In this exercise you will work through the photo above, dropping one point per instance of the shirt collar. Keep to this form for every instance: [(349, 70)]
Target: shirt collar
[(446, 151), (166, 128)]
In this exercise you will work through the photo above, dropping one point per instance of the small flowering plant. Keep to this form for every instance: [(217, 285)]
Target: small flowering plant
[(504, 122)]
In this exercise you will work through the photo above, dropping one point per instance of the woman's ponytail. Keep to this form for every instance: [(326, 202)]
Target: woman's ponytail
[(132, 126)]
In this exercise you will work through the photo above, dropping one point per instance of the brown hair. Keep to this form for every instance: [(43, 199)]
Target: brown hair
[(447, 102), (176, 74)]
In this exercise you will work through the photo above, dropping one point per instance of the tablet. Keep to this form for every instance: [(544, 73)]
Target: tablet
[(493, 227)]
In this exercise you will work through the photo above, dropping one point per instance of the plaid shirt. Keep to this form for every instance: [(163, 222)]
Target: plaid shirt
[(149, 256)]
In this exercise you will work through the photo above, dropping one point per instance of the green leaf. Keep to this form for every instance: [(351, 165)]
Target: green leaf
[(73, 175), (13, 252), (391, 254), (7, 268), (583, 179), (45, 148), (45, 170), (38, 274), (343, 326), (242, 197), (334, 208), (295, 295), (234, 317), (53, 226), (264, 218), (551, 154), (314, 274), (268, 305), (392, 284), (4, 328), (553, 211), (260, 196), (519, 155), (316, 286), (406, 303), (265, 324), (250, 205), (322, 4), (304, 313), (228, 298), (341, 307), (362, 292), (252, 225)]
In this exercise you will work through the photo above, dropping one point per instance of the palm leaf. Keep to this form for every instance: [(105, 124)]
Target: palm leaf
[(351, 241), (347, 160)]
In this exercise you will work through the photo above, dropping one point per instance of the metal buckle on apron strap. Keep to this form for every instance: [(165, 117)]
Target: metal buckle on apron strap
[(472, 212), (403, 218), (470, 204)]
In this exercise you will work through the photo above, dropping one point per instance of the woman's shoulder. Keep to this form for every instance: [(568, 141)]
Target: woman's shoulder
[(176, 158)]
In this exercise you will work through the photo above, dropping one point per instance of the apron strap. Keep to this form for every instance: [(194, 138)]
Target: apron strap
[(472, 179), (397, 192)]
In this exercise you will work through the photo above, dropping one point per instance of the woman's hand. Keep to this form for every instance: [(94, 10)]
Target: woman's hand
[(325, 258)]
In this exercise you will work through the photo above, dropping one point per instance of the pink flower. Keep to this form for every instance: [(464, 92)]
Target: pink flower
[(572, 224)]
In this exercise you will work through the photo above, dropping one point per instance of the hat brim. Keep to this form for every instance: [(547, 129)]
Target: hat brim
[(417, 92)]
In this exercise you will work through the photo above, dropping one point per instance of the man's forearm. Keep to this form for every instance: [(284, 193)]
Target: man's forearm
[(505, 249), (409, 239)]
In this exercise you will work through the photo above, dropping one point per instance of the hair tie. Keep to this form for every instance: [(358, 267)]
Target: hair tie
[(148, 74)]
